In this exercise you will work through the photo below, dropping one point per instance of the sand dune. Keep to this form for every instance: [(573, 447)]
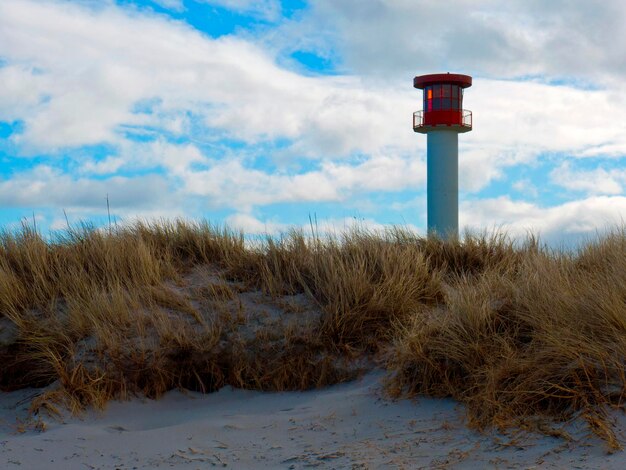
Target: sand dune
[(343, 426)]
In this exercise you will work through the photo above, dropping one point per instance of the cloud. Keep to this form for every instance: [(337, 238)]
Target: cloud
[(174, 5), (45, 186), (78, 61), (592, 182), (519, 122), (23, 91), (565, 38), (526, 187), (203, 116), (82, 85), (539, 117), (107, 166), (229, 183), (175, 159), (253, 226), (338, 226), (267, 9), (569, 221)]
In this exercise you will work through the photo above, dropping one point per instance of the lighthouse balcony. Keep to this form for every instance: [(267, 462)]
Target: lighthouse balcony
[(459, 120)]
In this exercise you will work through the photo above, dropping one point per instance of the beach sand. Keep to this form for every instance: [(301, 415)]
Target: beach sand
[(348, 425)]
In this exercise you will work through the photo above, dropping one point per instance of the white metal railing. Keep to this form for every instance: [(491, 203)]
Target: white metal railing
[(466, 120), (418, 119)]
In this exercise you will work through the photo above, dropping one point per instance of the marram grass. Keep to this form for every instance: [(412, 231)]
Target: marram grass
[(518, 333)]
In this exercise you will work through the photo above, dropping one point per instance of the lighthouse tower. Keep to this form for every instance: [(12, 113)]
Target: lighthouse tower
[(442, 119)]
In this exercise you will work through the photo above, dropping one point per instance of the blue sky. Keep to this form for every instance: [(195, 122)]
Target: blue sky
[(259, 113)]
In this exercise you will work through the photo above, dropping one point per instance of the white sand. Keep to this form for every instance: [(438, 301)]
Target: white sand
[(344, 426)]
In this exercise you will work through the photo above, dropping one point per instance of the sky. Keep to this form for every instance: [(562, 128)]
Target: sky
[(262, 114)]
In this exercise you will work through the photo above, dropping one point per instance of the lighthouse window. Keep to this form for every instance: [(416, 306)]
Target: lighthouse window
[(443, 97), (455, 97), (428, 98)]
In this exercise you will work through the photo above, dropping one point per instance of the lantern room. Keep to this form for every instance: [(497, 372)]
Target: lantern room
[(442, 103)]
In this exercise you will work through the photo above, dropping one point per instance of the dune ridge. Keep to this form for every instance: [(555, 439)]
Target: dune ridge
[(524, 336)]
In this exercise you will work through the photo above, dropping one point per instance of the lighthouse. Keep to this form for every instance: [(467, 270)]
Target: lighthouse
[(442, 119)]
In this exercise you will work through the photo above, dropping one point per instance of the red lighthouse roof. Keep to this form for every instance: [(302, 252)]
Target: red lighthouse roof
[(422, 81)]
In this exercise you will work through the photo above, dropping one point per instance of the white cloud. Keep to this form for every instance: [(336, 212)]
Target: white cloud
[(516, 122), (175, 158), (174, 5), (266, 9), (78, 59), (80, 73), (229, 183), (45, 186), (526, 187), (92, 79), (535, 117), (562, 38), (594, 182), (253, 226), (569, 220), (338, 226), (23, 90), (382, 173), (107, 166)]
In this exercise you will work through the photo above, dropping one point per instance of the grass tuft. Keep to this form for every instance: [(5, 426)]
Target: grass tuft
[(522, 335)]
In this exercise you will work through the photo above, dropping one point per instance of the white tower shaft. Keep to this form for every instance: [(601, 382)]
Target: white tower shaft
[(443, 183)]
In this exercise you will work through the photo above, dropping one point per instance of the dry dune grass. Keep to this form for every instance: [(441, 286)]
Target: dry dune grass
[(543, 335), (515, 332)]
